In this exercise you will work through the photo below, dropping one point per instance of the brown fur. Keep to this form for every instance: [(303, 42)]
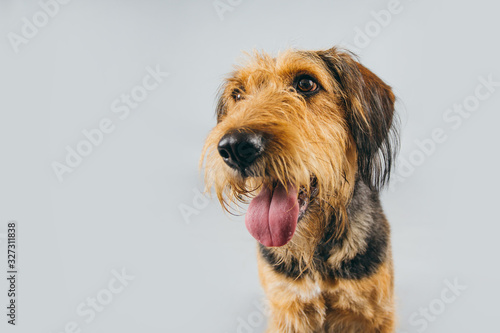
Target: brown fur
[(315, 305), (342, 138)]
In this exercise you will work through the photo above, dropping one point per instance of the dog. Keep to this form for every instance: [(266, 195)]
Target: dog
[(308, 139)]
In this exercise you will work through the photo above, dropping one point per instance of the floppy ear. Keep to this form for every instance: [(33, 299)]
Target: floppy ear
[(369, 103)]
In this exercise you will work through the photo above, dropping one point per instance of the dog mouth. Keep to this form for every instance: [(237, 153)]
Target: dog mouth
[(273, 214)]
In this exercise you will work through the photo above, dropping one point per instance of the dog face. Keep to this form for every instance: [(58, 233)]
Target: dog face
[(292, 134)]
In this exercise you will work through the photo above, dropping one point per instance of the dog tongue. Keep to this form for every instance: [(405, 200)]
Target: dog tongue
[(272, 215)]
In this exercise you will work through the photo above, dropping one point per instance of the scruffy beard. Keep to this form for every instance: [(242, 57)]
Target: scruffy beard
[(323, 180)]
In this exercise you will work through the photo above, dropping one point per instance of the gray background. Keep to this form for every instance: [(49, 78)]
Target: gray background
[(121, 208)]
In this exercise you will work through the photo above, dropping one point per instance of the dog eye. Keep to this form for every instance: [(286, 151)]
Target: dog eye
[(237, 95), (306, 84)]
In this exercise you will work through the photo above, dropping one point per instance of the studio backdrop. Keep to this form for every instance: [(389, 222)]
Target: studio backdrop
[(104, 110)]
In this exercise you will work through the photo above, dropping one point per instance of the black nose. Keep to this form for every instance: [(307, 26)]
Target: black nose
[(240, 149)]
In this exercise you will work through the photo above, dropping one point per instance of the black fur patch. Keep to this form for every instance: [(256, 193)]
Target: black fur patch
[(366, 263), (291, 270), (364, 205)]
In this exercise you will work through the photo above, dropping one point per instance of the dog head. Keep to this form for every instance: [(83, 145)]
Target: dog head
[(293, 134)]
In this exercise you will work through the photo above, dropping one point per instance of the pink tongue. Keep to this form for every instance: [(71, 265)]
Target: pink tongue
[(272, 215)]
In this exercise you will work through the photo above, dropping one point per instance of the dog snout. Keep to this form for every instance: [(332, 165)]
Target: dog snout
[(240, 149)]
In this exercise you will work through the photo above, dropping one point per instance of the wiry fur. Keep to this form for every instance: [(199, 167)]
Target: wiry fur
[(335, 275)]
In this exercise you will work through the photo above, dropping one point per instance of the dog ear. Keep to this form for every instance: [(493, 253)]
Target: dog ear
[(369, 103)]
